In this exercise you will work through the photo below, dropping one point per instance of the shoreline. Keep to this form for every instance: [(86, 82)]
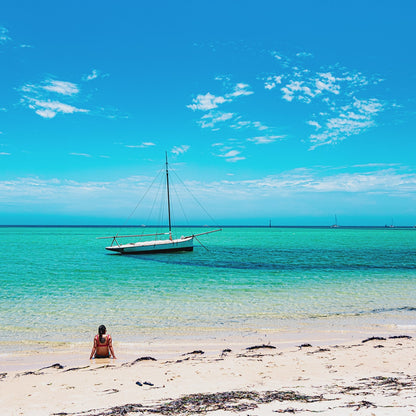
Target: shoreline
[(166, 346), (373, 372)]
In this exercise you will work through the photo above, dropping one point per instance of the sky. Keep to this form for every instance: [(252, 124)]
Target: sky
[(292, 112)]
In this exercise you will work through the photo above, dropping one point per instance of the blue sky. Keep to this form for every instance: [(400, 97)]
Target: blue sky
[(289, 111)]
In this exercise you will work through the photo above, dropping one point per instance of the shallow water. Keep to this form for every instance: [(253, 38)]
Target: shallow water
[(60, 281)]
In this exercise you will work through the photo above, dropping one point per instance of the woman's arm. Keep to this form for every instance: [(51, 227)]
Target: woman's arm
[(110, 346), (94, 348)]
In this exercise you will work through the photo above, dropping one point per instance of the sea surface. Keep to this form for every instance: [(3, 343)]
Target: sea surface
[(60, 283)]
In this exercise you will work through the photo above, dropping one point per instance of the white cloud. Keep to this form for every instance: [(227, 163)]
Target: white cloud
[(352, 120), (4, 37), (206, 102), (231, 155), (265, 139), (42, 98), (61, 87), (94, 74), (272, 81), (327, 82), (299, 190), (80, 154), (209, 101), (178, 150), (141, 146), (49, 109), (239, 90), (210, 119), (297, 89), (314, 124), (304, 55), (249, 124)]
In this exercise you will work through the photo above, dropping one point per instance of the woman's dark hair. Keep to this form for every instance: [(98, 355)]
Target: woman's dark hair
[(101, 331)]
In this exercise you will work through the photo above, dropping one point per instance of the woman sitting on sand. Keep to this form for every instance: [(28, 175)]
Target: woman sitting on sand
[(103, 345)]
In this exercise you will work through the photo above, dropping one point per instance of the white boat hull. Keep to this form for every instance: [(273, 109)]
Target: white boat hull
[(156, 246)]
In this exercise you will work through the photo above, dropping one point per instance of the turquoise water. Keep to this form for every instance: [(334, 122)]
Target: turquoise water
[(56, 281)]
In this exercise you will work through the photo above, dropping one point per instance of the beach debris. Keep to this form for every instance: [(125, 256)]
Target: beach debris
[(56, 365), (2, 375), (201, 403), (305, 346), (225, 352), (400, 336), (257, 347), (139, 384), (137, 360), (373, 339), (148, 383), (29, 373), (229, 401), (393, 382), (195, 352), (76, 368), (111, 391), (362, 403), (379, 346), (319, 350)]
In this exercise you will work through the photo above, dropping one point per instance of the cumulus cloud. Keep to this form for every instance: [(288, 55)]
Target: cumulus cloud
[(60, 87), (212, 118), (209, 101), (178, 150), (49, 109), (239, 90), (231, 155), (93, 75), (351, 120), (206, 102), (272, 81), (335, 89), (42, 98), (365, 184)]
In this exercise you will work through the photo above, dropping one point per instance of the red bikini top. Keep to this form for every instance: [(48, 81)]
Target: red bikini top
[(107, 341)]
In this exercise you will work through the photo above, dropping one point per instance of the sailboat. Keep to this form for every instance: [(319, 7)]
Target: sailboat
[(170, 244), (335, 225)]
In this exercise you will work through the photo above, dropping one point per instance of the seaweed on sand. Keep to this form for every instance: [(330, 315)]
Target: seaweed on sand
[(207, 402), (257, 347)]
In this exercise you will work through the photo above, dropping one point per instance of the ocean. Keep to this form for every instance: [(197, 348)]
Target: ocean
[(60, 283)]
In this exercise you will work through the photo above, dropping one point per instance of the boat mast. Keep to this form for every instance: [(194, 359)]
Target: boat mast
[(167, 187)]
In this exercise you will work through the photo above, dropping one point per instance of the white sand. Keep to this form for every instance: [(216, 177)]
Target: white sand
[(353, 379)]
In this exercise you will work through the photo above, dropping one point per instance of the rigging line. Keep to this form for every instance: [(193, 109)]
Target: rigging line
[(156, 198), (141, 200), (161, 200), (196, 200), (180, 204), (206, 248)]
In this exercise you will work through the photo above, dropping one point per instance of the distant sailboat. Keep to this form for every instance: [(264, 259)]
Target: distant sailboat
[(156, 246), (335, 225)]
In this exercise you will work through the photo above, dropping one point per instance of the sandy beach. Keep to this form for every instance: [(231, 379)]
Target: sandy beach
[(373, 376)]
